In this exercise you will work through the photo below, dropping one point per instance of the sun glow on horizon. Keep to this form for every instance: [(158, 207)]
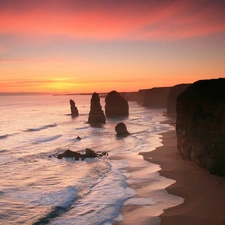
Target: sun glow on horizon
[(59, 86), (85, 46)]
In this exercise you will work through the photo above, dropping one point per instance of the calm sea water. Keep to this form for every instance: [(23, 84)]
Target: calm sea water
[(38, 189)]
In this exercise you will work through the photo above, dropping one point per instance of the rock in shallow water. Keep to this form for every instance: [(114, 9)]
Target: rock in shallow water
[(89, 153), (121, 130)]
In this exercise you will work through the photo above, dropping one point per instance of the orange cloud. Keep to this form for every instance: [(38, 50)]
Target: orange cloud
[(90, 41), (110, 20)]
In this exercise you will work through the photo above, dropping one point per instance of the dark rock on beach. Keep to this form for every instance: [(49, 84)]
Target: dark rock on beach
[(69, 154), (96, 114), (175, 91), (89, 153), (73, 108), (121, 130), (201, 124), (116, 105)]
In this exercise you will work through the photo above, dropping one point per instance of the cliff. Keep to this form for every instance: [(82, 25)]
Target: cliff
[(154, 97), (201, 124), (129, 96), (141, 96), (175, 91)]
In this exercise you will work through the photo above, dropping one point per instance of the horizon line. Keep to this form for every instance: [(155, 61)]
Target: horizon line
[(48, 93)]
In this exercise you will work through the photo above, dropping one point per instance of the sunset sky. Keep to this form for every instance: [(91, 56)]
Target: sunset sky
[(73, 46)]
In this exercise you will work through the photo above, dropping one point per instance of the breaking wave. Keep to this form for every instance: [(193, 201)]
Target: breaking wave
[(46, 139), (63, 201), (4, 136), (41, 128)]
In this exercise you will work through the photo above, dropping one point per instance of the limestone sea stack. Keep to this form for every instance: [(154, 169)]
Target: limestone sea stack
[(200, 124), (73, 108), (175, 91), (96, 114), (121, 130), (116, 105)]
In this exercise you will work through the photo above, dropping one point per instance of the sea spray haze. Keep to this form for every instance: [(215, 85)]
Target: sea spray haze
[(38, 189)]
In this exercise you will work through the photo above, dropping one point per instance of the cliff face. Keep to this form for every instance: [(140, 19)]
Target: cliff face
[(130, 96), (201, 124), (172, 97), (155, 97), (141, 96)]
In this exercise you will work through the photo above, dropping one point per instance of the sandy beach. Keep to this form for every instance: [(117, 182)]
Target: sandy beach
[(203, 193)]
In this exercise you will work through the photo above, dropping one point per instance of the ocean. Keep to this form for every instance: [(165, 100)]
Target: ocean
[(38, 188)]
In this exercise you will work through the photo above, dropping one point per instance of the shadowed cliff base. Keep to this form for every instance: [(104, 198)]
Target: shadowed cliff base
[(201, 124)]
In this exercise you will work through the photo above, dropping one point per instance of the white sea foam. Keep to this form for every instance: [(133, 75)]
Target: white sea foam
[(103, 201), (149, 186), (62, 198), (90, 191)]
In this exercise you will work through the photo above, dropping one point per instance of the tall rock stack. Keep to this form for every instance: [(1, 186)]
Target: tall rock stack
[(175, 91), (96, 114), (73, 108), (201, 124), (116, 105)]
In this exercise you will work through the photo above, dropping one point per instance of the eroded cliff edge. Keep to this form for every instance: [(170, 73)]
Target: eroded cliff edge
[(175, 91), (201, 124), (154, 97)]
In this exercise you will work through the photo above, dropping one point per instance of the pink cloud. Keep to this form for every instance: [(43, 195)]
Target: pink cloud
[(113, 20)]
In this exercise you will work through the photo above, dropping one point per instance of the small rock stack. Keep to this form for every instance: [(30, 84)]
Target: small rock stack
[(73, 108), (121, 130)]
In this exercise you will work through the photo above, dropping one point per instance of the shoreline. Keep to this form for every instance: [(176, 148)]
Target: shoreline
[(203, 193)]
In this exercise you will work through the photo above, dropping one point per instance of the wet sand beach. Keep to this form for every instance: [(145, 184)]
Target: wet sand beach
[(203, 193)]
